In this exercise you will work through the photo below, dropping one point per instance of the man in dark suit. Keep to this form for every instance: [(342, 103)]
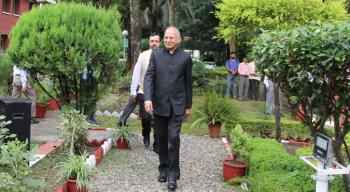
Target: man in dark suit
[(168, 96)]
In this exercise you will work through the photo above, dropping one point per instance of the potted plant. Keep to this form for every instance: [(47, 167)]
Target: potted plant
[(41, 105), (236, 167), (122, 136), (76, 173), (214, 111), (74, 130), (54, 104)]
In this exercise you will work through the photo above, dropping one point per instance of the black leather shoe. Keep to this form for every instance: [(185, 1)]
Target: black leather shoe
[(34, 120), (146, 142), (171, 183), (162, 177), (155, 149)]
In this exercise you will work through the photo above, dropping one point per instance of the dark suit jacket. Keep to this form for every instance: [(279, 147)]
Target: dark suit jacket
[(168, 82)]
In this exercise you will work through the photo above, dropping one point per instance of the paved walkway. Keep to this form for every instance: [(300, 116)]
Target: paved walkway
[(47, 129)]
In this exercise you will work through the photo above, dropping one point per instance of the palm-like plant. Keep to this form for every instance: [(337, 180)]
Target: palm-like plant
[(75, 168), (74, 130), (123, 133), (213, 110)]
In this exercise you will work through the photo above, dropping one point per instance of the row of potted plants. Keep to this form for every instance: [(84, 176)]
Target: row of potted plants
[(74, 131)]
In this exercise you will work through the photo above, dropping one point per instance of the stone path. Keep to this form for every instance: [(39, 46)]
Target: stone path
[(136, 169)]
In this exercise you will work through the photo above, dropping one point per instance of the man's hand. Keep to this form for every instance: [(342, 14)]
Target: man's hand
[(188, 113), (133, 98), (24, 88), (149, 107)]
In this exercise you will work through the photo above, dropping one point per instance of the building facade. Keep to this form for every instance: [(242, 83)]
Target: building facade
[(10, 13)]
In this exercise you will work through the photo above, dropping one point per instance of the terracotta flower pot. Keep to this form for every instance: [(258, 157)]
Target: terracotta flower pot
[(72, 186), (53, 105), (41, 110), (232, 169), (214, 130), (122, 144), (99, 142), (90, 142), (98, 153)]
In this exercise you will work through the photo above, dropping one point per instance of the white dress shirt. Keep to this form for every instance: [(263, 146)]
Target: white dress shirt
[(19, 71)]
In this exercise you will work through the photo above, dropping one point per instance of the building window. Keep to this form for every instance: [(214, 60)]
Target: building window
[(6, 6), (3, 42), (15, 7)]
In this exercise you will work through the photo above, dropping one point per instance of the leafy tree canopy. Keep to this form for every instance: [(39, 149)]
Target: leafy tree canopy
[(243, 20), (69, 42), (311, 65)]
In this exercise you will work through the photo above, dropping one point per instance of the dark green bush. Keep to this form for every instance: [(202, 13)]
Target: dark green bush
[(77, 46), (199, 75), (256, 127), (272, 169)]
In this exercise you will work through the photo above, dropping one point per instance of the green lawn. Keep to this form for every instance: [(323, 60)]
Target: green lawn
[(247, 110)]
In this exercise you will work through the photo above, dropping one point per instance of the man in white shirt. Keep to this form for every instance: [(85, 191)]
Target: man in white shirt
[(20, 84), (136, 92), (254, 80)]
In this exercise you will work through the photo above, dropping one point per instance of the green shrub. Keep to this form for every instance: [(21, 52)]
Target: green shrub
[(239, 143), (74, 130), (14, 163), (271, 168), (5, 73), (255, 127), (199, 75), (77, 45)]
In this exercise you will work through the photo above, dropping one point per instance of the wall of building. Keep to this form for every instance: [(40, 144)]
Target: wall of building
[(8, 20)]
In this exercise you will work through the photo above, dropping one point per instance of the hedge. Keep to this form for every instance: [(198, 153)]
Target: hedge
[(255, 127), (271, 168)]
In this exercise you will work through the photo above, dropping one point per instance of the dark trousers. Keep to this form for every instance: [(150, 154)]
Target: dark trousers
[(146, 118), (147, 121), (168, 130), (254, 89)]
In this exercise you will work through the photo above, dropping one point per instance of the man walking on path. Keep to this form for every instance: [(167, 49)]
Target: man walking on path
[(168, 96), (244, 72), (232, 76), (136, 92), (20, 84)]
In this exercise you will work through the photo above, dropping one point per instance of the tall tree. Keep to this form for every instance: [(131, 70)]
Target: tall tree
[(135, 31), (311, 65), (172, 8), (242, 21)]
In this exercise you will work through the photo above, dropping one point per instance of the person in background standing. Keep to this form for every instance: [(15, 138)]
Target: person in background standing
[(254, 80), (232, 76), (269, 95), (244, 72), (20, 84)]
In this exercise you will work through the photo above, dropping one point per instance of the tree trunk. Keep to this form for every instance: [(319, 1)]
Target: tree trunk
[(154, 15), (232, 45), (339, 135), (172, 5), (277, 113), (135, 31), (348, 5)]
